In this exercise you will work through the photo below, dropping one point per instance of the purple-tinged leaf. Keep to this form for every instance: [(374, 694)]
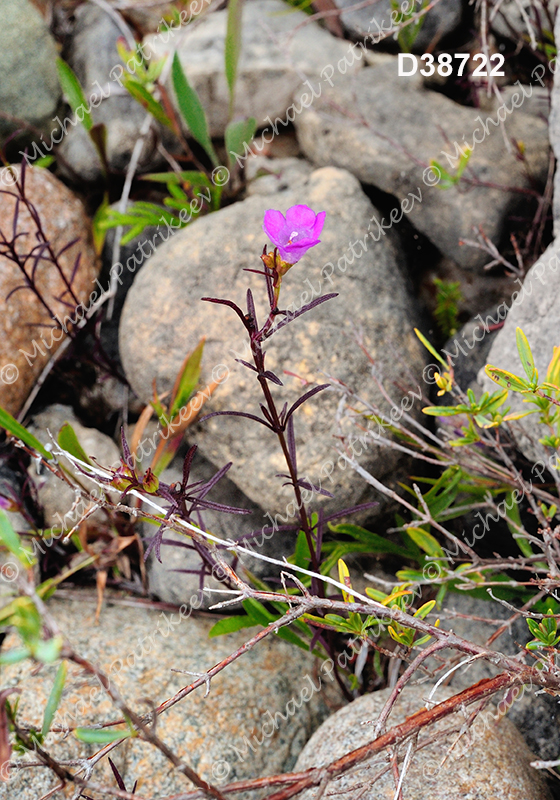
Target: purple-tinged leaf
[(126, 449), (214, 479), (230, 304), (187, 463), (16, 218), (155, 544), (236, 414), (75, 268), (291, 442), (67, 246), (266, 413), (353, 510), (173, 543), (315, 489), (222, 507), (272, 377), (246, 364), (299, 312), (251, 307), (17, 289), (304, 397), (118, 778)]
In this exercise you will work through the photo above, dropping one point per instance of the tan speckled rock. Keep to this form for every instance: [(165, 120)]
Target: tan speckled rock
[(489, 763), (63, 220), (226, 736), (163, 318)]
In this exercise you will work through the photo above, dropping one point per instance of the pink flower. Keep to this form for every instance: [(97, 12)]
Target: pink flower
[(295, 233)]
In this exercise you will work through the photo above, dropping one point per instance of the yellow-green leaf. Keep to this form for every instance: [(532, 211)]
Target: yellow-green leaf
[(426, 542), (507, 379)]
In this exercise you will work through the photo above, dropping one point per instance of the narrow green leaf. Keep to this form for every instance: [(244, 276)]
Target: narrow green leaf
[(68, 440), (98, 230), (142, 96), (430, 348), (257, 612), (507, 379), (239, 134), (426, 542), (374, 542), (54, 698), (74, 93), (525, 354), (13, 426), (424, 610), (302, 554), (230, 625), (14, 655), (444, 411), (101, 735), (344, 578), (44, 162), (10, 539), (191, 109), (189, 379), (233, 47)]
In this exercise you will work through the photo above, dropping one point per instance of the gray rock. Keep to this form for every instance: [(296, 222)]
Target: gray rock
[(56, 498), (275, 61), (269, 175), (490, 763), (554, 132), (372, 22), (535, 309), (536, 715), (29, 88), (177, 587), (207, 259), (226, 736), (93, 56), (387, 129)]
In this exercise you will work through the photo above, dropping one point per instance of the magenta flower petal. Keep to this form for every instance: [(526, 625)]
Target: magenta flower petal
[(300, 217), (274, 223), (319, 222), (295, 233)]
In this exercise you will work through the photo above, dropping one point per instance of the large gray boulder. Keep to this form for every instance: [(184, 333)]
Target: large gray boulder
[(489, 762), (535, 309), (554, 130), (237, 732), (386, 129), (163, 319), (29, 89)]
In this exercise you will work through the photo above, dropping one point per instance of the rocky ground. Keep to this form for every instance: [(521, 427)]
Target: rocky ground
[(339, 131)]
